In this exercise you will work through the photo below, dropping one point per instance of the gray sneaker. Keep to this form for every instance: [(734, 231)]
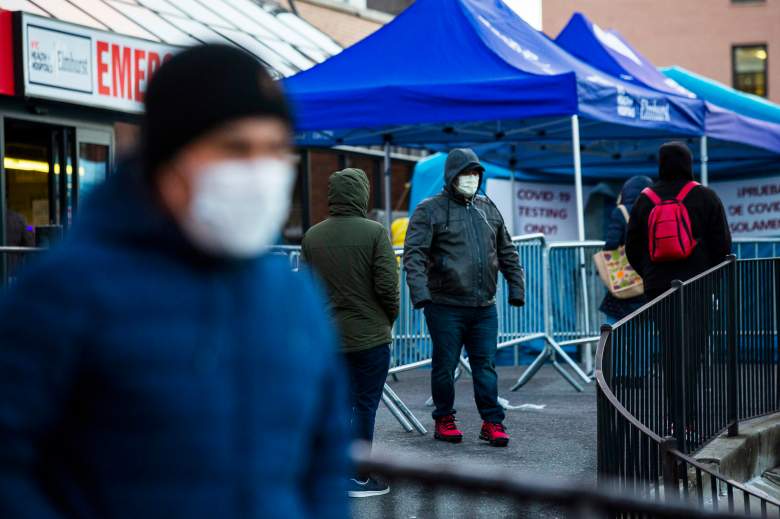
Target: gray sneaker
[(368, 488)]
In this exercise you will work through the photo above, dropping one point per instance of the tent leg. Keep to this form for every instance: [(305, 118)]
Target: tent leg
[(575, 137), (387, 186), (513, 169), (704, 156)]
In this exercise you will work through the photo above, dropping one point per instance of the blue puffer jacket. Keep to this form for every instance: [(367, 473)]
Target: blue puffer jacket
[(616, 236), (139, 379)]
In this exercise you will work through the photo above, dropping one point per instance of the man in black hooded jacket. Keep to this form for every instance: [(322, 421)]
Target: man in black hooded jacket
[(455, 246), (708, 224)]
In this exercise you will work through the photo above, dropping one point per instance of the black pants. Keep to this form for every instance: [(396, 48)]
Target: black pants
[(367, 374), (476, 328)]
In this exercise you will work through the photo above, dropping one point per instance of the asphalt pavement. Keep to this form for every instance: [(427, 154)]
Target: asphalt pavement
[(557, 443)]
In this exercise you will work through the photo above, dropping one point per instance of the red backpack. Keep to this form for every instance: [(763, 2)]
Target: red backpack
[(669, 226)]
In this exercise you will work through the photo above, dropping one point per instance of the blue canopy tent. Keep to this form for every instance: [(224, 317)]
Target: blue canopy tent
[(726, 97), (450, 72), (732, 143)]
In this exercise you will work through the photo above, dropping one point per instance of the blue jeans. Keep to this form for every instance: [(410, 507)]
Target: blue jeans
[(367, 374), (476, 328)]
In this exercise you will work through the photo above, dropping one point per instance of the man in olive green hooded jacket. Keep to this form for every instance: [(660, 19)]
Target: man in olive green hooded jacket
[(355, 259)]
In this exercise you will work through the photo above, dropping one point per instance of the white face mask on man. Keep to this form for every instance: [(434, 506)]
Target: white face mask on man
[(467, 185), (239, 206)]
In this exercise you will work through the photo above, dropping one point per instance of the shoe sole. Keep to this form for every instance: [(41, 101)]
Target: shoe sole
[(503, 442), (368, 493), (448, 439)]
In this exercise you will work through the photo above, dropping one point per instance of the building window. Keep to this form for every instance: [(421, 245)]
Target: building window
[(749, 68)]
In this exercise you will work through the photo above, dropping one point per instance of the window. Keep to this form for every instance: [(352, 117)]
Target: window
[(749, 68)]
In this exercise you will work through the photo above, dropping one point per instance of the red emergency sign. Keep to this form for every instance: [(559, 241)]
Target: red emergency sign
[(123, 72)]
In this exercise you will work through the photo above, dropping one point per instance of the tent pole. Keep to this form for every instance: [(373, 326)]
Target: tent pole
[(705, 174), (387, 186), (512, 169), (575, 137)]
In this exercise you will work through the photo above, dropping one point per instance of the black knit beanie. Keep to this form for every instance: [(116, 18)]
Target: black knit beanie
[(199, 90), (675, 161)]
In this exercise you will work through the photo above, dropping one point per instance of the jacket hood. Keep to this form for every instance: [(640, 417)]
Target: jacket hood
[(632, 189), (458, 161), (675, 162), (348, 193)]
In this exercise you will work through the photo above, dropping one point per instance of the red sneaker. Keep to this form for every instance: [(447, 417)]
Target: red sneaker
[(494, 433), (446, 430)]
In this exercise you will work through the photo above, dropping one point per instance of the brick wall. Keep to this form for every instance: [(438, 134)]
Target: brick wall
[(695, 34), (325, 162)]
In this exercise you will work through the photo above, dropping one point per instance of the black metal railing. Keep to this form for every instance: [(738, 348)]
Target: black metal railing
[(474, 491), (757, 385), (679, 372)]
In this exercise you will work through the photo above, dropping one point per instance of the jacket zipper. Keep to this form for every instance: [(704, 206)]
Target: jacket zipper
[(478, 258)]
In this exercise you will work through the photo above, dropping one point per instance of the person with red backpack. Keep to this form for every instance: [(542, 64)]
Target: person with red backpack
[(677, 230), (677, 227)]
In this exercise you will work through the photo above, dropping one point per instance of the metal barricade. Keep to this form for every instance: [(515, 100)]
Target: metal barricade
[(575, 293), (753, 248), (13, 260), (292, 252)]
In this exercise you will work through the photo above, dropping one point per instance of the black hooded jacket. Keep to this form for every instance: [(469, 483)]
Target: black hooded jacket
[(708, 222), (455, 247)]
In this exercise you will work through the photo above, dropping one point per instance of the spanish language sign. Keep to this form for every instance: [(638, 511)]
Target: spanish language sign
[(752, 206)]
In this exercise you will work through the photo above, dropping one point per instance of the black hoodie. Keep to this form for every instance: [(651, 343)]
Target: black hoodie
[(708, 222)]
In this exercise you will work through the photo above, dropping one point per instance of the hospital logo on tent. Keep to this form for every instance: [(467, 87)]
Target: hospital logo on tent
[(654, 110)]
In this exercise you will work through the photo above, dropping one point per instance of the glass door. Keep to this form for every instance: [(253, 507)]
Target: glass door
[(49, 170), (94, 156)]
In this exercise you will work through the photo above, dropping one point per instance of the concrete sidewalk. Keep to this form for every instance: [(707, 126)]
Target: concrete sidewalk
[(556, 443)]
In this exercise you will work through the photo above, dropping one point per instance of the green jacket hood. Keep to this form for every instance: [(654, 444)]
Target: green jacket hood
[(348, 193)]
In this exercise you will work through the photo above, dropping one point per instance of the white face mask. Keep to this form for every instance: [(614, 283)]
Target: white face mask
[(240, 206), (467, 185)]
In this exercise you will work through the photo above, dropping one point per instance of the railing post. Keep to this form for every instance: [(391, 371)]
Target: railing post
[(732, 331), (678, 358), (669, 469)]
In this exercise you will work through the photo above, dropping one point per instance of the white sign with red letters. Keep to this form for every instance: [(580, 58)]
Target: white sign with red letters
[(550, 209), (76, 64)]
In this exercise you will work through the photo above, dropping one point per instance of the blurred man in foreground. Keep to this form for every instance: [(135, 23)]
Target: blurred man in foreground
[(158, 364)]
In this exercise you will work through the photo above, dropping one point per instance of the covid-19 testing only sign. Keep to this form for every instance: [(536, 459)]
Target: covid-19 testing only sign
[(752, 206), (550, 209)]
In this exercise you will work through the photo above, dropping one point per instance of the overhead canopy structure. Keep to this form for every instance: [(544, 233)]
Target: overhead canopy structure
[(454, 71), (450, 72), (724, 96), (285, 42), (737, 143)]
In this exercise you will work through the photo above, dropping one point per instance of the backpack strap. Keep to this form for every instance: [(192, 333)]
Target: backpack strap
[(649, 193), (685, 190), (624, 211)]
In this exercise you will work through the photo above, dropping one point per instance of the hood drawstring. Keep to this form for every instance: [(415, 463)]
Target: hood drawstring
[(447, 223)]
